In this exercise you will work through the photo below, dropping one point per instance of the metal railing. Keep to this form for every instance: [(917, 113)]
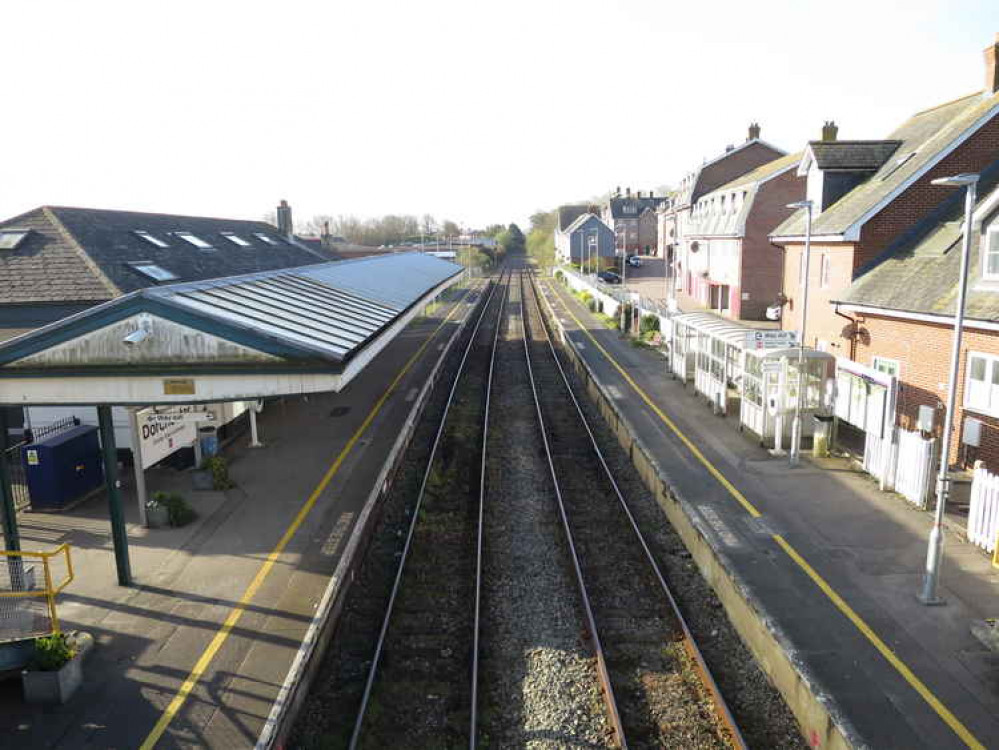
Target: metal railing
[(29, 584)]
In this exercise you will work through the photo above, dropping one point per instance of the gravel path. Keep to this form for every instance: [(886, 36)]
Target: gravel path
[(538, 677)]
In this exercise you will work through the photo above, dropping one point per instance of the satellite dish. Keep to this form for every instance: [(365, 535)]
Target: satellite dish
[(773, 312)]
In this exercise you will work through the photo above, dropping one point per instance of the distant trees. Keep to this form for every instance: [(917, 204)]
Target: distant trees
[(541, 238), (511, 240)]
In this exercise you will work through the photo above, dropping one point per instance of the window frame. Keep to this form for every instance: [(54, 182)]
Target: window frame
[(236, 239), (824, 264), (989, 236), (20, 236), (149, 237), (879, 360), (266, 238), (991, 365), (192, 239), (161, 274)]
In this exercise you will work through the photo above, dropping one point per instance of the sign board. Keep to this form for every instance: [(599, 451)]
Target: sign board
[(771, 339), (178, 387), (163, 431)]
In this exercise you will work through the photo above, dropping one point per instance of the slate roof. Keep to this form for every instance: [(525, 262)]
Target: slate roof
[(922, 138), (852, 155), (569, 213), (919, 271), (692, 188), (584, 219), (618, 206), (84, 255)]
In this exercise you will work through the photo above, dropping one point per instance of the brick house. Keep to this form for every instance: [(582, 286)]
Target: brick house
[(867, 194), (903, 310), (632, 219), (674, 216), (731, 266)]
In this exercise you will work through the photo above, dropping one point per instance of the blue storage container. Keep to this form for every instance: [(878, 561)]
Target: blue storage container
[(63, 467)]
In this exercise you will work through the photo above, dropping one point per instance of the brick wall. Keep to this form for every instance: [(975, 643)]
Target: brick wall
[(824, 325), (763, 263), (980, 150), (732, 165), (923, 352)]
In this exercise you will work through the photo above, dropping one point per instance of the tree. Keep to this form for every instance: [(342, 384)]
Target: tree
[(541, 238), (450, 229)]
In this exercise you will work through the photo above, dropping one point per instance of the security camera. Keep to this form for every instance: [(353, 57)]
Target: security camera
[(136, 337)]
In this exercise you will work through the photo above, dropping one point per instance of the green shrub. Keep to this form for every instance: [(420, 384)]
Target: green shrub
[(51, 652), (649, 324), (220, 473), (179, 511)]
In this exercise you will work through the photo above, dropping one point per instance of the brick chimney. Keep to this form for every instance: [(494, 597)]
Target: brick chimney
[(285, 226), (627, 192), (829, 131), (754, 131), (991, 69)]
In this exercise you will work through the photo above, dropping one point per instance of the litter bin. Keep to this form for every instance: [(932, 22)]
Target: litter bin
[(208, 436), (822, 435)]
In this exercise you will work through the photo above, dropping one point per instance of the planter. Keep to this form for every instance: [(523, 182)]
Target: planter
[(53, 687), (157, 516), (202, 479)]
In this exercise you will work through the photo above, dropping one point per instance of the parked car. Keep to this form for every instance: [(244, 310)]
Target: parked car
[(634, 261), (609, 277)]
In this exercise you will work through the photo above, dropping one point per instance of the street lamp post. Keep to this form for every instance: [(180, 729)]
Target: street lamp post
[(934, 551), (795, 454)]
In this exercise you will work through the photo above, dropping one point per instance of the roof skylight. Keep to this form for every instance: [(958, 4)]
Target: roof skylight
[(194, 240), (150, 238), (11, 238), (266, 238), (236, 239), (153, 271)]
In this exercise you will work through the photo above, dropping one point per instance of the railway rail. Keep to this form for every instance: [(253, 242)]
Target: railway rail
[(655, 681), (421, 688)]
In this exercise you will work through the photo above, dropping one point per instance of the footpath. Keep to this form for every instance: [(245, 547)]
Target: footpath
[(196, 652), (830, 565)]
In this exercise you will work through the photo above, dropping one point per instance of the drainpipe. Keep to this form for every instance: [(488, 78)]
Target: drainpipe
[(853, 331)]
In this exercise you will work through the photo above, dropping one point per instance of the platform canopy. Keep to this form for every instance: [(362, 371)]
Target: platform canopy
[(287, 331)]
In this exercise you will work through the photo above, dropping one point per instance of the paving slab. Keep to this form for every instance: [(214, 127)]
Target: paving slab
[(868, 546), (188, 581)]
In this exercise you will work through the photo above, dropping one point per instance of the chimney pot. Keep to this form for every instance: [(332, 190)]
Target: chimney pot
[(754, 131), (627, 192), (285, 225), (991, 68), (829, 131), (729, 147)]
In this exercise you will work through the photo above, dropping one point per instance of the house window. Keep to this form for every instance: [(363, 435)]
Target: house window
[(981, 391), (154, 272), (991, 254), (236, 239), (824, 271), (265, 238), (194, 240), (11, 238), (887, 366), (155, 241)]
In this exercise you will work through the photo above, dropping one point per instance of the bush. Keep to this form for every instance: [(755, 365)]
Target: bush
[(179, 511), (649, 324), (220, 473), (52, 652)]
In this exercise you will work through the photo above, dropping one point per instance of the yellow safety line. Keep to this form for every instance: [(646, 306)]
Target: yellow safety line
[(941, 710), (230, 622)]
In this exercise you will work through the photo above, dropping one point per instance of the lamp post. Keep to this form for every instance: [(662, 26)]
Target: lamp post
[(934, 550), (795, 454)]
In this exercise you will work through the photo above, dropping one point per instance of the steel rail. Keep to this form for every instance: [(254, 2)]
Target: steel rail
[(472, 737), (591, 625), (690, 645), (380, 645)]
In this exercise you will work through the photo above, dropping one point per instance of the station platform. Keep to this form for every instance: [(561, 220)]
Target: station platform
[(828, 561), (194, 654)]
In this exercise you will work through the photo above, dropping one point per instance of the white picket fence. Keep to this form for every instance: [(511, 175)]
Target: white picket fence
[(983, 515), (906, 466)]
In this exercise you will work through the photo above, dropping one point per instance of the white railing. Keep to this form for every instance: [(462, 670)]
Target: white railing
[(905, 466), (983, 515)]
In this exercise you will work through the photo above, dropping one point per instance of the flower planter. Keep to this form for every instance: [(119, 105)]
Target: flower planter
[(157, 516), (53, 687)]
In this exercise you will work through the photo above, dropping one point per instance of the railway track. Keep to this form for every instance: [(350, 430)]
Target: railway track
[(657, 689), (421, 688)]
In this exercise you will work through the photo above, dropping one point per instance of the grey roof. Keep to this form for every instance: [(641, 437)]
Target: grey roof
[(919, 271), (852, 155), (585, 219), (327, 311), (85, 255), (569, 213), (632, 208), (704, 178), (923, 137)]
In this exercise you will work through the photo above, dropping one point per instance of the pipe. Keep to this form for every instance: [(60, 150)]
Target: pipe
[(854, 331)]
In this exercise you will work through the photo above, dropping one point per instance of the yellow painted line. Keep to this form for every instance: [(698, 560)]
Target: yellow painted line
[(907, 674), (237, 612)]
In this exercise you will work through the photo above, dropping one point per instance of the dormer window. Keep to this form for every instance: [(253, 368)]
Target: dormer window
[(11, 238), (990, 254), (194, 240)]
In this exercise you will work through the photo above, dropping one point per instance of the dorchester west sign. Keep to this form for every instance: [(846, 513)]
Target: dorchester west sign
[(164, 430)]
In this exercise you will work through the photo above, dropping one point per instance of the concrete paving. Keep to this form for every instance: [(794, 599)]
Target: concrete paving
[(867, 545), (188, 580)]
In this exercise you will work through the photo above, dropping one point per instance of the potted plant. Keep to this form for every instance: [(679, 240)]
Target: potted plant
[(179, 512), (157, 514), (54, 672), (220, 473)]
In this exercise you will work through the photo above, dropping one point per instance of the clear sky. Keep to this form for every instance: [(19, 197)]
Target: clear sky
[(479, 112)]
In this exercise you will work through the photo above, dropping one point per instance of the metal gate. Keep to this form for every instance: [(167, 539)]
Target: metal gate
[(29, 583), (18, 478)]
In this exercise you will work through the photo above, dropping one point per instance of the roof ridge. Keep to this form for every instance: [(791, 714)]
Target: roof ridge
[(858, 141), (83, 254), (154, 213), (947, 104)]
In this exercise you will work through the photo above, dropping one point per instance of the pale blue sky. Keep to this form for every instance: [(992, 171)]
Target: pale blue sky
[(475, 111)]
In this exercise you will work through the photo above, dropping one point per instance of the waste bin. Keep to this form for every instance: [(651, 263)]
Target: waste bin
[(822, 435), (208, 436)]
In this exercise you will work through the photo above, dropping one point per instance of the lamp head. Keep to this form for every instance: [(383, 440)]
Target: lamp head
[(958, 180), (800, 204)]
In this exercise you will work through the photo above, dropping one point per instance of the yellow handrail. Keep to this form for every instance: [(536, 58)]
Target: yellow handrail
[(50, 590)]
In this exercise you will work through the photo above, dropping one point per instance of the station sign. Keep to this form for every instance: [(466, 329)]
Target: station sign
[(163, 431), (767, 339)]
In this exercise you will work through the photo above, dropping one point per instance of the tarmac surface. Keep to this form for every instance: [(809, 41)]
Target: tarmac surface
[(206, 596), (940, 688)]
